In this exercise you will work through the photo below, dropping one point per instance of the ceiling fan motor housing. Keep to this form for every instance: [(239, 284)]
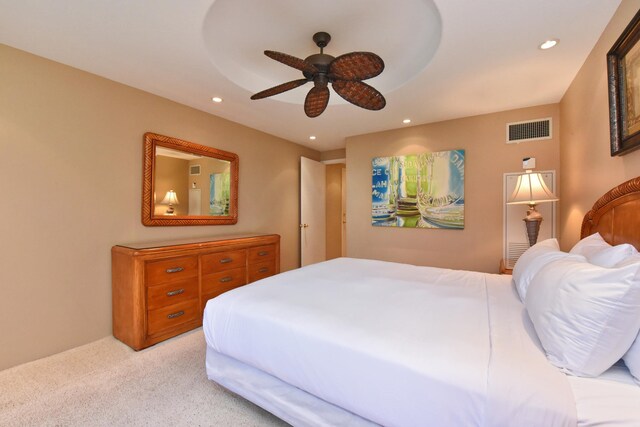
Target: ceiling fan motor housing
[(321, 61)]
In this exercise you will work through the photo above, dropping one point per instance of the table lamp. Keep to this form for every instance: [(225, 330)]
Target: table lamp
[(531, 190), (171, 198)]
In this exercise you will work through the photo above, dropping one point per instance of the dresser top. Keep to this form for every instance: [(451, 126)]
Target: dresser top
[(192, 241)]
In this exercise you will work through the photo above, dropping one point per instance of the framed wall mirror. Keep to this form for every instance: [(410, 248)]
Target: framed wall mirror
[(188, 184)]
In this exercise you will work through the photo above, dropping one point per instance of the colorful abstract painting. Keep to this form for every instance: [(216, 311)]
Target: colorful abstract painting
[(219, 193), (418, 191)]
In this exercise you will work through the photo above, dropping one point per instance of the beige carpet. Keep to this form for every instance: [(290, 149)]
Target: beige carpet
[(105, 383)]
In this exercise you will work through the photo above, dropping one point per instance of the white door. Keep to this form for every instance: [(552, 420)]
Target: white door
[(344, 212), (194, 201), (312, 212)]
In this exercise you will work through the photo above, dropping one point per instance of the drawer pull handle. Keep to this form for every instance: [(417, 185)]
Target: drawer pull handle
[(263, 270), (263, 253), (174, 315), (176, 292), (225, 260), (226, 279), (174, 270)]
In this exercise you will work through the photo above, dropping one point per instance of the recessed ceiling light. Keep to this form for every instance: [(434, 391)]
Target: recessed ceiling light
[(216, 99), (548, 44), (312, 137), (405, 121)]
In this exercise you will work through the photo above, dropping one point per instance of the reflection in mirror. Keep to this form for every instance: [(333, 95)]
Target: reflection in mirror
[(188, 184)]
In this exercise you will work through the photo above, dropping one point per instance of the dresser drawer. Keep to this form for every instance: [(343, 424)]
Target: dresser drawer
[(172, 293), (261, 270), (222, 281), (174, 315), (262, 253), (165, 270), (219, 261)]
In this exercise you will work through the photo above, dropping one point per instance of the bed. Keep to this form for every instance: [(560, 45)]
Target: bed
[(362, 342)]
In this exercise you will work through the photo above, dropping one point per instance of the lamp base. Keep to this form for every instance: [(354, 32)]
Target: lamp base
[(532, 220), (533, 228)]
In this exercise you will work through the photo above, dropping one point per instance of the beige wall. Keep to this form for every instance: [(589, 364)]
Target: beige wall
[(588, 170), (334, 210), (81, 138), (338, 154), (487, 158)]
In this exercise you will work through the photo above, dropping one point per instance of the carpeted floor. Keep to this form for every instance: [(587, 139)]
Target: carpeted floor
[(105, 383)]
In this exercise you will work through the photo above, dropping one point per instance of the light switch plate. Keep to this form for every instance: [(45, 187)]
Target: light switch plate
[(528, 163)]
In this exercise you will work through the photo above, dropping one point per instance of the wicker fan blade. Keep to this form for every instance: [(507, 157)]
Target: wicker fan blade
[(356, 66), (316, 101), (279, 89), (360, 94), (292, 61)]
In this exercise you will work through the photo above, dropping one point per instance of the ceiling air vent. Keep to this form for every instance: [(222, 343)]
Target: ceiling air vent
[(530, 130)]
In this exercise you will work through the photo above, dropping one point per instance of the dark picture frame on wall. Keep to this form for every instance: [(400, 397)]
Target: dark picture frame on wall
[(623, 67)]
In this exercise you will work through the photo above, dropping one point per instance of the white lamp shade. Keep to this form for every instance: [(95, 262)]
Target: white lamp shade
[(171, 198), (531, 189)]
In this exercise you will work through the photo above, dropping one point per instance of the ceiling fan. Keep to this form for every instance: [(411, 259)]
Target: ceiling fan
[(345, 73)]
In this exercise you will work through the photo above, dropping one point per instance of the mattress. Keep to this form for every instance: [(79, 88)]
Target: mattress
[(385, 343)]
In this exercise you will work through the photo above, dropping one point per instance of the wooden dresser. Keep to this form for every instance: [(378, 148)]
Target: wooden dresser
[(160, 289)]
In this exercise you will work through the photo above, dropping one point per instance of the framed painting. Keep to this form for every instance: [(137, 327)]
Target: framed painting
[(623, 67), (418, 191)]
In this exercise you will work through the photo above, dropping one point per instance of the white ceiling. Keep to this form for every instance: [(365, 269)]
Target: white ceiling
[(444, 58)]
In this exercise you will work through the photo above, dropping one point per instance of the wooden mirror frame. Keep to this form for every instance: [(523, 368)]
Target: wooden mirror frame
[(151, 141)]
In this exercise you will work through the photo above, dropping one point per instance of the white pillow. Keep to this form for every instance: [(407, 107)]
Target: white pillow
[(590, 245), (586, 316), (599, 252), (632, 259), (532, 260), (632, 359), (613, 255)]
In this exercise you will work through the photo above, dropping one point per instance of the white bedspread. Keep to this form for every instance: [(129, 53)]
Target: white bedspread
[(398, 345), (612, 399)]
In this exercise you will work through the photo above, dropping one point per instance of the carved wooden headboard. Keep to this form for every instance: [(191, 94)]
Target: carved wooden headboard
[(616, 215)]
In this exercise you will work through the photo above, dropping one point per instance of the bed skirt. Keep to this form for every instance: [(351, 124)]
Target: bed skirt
[(286, 402)]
